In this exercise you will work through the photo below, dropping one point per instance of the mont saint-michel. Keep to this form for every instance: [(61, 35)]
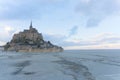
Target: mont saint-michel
[(30, 41)]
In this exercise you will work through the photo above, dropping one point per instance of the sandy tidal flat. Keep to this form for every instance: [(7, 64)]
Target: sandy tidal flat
[(68, 65)]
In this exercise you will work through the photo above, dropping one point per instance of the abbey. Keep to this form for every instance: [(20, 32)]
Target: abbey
[(30, 41)]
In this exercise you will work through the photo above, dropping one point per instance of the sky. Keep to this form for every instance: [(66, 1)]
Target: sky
[(72, 24)]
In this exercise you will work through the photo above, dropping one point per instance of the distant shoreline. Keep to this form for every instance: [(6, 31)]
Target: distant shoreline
[(88, 49), (1, 46)]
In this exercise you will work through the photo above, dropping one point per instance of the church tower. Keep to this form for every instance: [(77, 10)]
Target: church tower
[(31, 25)]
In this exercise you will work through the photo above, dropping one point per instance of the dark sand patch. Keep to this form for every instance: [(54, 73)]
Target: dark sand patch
[(20, 66), (77, 70), (29, 73)]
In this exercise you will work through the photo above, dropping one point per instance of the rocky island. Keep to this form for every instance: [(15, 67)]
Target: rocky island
[(30, 41)]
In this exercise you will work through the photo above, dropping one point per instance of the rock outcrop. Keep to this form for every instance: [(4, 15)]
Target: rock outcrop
[(30, 41)]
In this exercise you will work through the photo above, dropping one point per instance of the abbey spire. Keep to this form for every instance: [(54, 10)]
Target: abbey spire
[(31, 25)]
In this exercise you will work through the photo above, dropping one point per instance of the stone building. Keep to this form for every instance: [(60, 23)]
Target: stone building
[(31, 41)]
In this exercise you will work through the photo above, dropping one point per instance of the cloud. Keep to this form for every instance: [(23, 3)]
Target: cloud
[(99, 41), (102, 46), (107, 38), (85, 1), (97, 10), (6, 32), (26, 9), (2, 43), (63, 40), (73, 31), (56, 39), (104, 40)]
